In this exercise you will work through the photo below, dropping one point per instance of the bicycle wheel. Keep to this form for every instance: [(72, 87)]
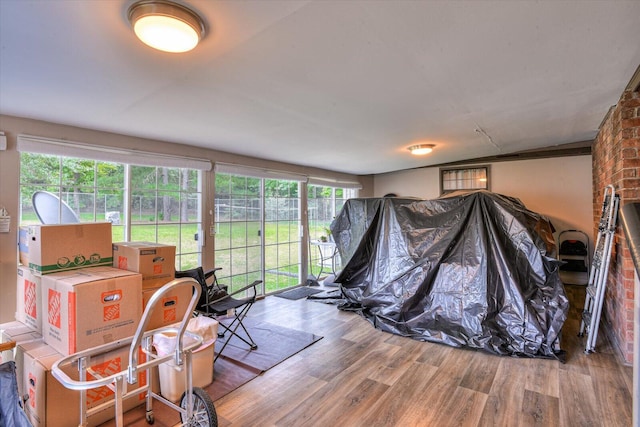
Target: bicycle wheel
[(203, 411)]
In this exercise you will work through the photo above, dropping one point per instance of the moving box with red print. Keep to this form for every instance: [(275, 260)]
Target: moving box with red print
[(90, 307)]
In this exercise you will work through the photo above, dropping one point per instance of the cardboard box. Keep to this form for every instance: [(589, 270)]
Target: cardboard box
[(90, 307), (155, 261), (25, 347), (50, 403), (60, 247), (29, 299), (19, 333), (22, 335), (170, 309), (23, 248)]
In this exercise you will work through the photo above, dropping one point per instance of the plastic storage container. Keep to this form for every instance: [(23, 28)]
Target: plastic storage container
[(173, 380)]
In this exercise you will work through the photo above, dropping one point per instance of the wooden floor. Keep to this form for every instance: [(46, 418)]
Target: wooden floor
[(359, 376)]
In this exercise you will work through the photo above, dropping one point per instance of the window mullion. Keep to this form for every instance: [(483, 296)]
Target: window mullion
[(127, 203)]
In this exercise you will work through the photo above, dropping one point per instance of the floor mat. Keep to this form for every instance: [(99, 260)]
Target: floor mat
[(275, 344), (298, 293)]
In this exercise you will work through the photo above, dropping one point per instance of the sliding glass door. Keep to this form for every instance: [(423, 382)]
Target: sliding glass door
[(324, 202), (282, 234), (238, 223), (257, 223)]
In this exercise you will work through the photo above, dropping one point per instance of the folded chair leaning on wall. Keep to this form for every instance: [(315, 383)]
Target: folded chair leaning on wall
[(215, 301)]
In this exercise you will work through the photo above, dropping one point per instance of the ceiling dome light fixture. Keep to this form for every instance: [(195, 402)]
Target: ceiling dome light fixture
[(421, 149), (166, 26)]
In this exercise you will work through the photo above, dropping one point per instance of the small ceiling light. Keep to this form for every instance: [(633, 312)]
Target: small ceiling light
[(166, 26), (421, 149)]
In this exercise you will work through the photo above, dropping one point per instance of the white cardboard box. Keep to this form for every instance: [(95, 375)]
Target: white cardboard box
[(90, 307), (17, 332)]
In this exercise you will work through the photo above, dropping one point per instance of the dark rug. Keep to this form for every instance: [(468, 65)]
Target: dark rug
[(236, 366), (275, 344), (298, 293)]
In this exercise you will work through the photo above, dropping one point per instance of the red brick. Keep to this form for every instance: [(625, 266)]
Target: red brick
[(631, 123), (628, 113), (630, 103), (631, 143), (629, 183), (629, 96), (629, 173), (628, 133), (628, 274)]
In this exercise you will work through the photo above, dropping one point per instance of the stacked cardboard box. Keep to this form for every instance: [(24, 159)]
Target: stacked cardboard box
[(29, 299), (76, 290), (68, 291), (51, 248), (90, 307), (156, 263), (20, 334), (49, 401)]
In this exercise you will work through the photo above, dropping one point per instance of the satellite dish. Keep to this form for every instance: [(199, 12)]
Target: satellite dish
[(51, 210)]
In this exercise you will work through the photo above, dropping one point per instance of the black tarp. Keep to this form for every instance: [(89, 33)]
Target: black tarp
[(474, 270)]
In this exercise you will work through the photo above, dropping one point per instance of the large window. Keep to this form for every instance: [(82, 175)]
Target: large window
[(163, 207)]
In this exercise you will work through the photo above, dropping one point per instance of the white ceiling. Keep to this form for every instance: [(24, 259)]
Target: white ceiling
[(341, 85)]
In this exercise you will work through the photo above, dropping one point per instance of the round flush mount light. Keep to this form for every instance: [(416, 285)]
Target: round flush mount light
[(166, 26), (421, 149)]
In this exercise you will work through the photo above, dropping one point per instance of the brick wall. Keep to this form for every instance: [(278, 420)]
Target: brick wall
[(616, 160)]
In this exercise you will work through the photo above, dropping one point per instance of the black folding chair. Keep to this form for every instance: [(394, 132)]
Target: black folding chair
[(215, 301)]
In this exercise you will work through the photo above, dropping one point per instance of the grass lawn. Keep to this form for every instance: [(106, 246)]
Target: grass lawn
[(238, 248)]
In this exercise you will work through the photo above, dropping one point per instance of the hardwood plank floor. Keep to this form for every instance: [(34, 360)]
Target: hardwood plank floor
[(359, 376)]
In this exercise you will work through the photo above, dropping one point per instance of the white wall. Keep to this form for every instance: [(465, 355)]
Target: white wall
[(559, 187)]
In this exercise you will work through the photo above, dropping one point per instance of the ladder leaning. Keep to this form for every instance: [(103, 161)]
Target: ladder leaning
[(599, 269)]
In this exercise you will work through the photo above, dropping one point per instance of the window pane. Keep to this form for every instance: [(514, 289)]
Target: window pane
[(77, 172), (169, 235), (188, 242), (238, 261), (238, 185), (39, 169), (223, 236), (143, 233), (169, 179), (143, 178), (143, 207)]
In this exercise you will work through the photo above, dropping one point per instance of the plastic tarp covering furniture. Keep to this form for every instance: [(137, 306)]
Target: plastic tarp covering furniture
[(475, 270)]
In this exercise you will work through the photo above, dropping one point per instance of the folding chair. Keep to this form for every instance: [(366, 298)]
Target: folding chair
[(215, 301)]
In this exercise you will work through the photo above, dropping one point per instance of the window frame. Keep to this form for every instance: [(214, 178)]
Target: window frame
[(462, 186), (125, 187)]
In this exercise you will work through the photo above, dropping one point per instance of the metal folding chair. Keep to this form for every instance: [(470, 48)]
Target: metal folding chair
[(216, 302)]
